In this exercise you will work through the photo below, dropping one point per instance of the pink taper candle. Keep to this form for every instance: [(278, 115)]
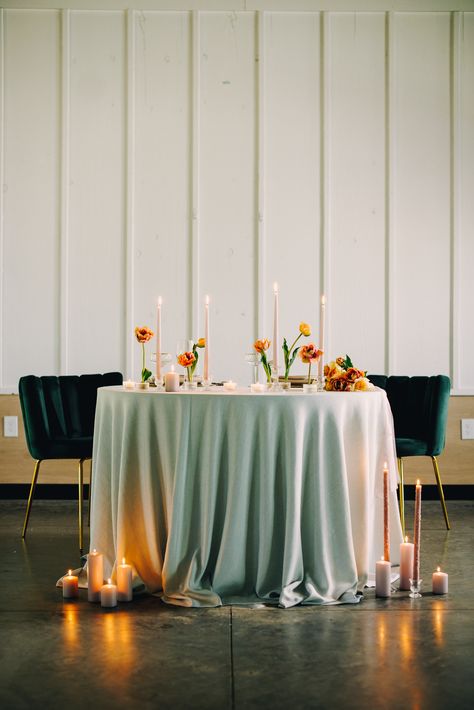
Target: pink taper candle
[(416, 556), (158, 343), (322, 316), (206, 336), (276, 336), (386, 517)]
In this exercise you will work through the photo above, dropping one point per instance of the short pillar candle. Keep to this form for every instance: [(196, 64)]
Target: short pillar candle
[(406, 564), (440, 582), (108, 594), (124, 582), (172, 381), (70, 586), (95, 575), (383, 578)]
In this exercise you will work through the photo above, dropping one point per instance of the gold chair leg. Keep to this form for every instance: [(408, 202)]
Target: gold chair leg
[(440, 491), (30, 497), (80, 498), (401, 495)]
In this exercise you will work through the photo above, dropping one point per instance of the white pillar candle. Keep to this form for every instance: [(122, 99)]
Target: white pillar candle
[(95, 575), (322, 316), (108, 594), (124, 582), (417, 527), (172, 381), (129, 384), (70, 586), (386, 521), (276, 336), (406, 564), (382, 578), (440, 582), (230, 386), (206, 337), (158, 344)]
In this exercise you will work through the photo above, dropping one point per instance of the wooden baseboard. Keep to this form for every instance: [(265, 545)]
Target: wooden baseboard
[(456, 463)]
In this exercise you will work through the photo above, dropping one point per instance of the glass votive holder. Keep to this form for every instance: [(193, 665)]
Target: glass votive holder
[(415, 588), (285, 385), (189, 386), (207, 383), (142, 385), (311, 388)]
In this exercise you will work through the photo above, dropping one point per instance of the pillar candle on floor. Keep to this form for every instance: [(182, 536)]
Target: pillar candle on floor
[(440, 582), (108, 594), (406, 564), (95, 575), (383, 578), (71, 585), (124, 582)]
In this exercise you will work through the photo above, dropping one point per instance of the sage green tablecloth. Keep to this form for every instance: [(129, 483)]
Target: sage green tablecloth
[(217, 498)]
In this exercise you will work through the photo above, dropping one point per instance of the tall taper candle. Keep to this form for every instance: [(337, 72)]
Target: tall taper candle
[(276, 336), (206, 336), (386, 516), (158, 344), (417, 527), (322, 316)]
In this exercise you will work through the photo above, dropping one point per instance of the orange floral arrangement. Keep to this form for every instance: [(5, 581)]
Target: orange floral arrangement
[(291, 352), (342, 376), (261, 346), (189, 359), (310, 353), (143, 335)]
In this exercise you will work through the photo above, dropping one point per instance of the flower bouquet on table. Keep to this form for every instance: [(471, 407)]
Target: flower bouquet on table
[(342, 376), (261, 347), (290, 353), (189, 359), (310, 354), (143, 335)]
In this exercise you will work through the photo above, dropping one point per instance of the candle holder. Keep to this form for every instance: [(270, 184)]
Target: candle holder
[(275, 382), (206, 384), (311, 388), (321, 383), (189, 386), (415, 587)]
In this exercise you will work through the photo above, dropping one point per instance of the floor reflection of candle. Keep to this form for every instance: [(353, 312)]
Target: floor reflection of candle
[(438, 623), (70, 627)]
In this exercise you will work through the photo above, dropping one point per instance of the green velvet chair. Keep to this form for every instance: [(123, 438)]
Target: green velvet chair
[(420, 411), (58, 415)]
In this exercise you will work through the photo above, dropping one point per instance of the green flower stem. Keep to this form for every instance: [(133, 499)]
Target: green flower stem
[(143, 362), (288, 357), (309, 373)]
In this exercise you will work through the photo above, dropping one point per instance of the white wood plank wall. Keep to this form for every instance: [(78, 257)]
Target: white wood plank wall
[(191, 152)]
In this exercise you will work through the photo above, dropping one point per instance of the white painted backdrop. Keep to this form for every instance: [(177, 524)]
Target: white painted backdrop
[(183, 153)]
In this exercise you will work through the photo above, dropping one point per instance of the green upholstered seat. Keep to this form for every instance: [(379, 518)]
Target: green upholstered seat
[(420, 412), (58, 415)]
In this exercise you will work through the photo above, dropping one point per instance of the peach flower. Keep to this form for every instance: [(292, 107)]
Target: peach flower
[(186, 359), (143, 334), (310, 353), (261, 345)]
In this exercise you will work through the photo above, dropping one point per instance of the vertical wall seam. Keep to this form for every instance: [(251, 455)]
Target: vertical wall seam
[(324, 173), (129, 180), (390, 364), (260, 314), (454, 137), (194, 295), (2, 180), (64, 183)]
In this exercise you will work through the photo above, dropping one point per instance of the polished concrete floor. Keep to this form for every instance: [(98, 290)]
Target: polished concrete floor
[(394, 653)]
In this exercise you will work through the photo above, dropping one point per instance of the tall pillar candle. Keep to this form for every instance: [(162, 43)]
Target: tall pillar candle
[(95, 575), (417, 529), (276, 336), (406, 564), (124, 582), (383, 578), (386, 516), (207, 341), (158, 343), (322, 317)]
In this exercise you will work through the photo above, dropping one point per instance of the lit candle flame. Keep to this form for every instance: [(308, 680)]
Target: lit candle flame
[(418, 482), (323, 300), (109, 581), (70, 572), (94, 551), (160, 301), (385, 466), (207, 299), (123, 560), (275, 287), (438, 569), (406, 538)]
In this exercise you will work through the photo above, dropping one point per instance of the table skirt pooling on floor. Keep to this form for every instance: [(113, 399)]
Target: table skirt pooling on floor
[(221, 498)]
